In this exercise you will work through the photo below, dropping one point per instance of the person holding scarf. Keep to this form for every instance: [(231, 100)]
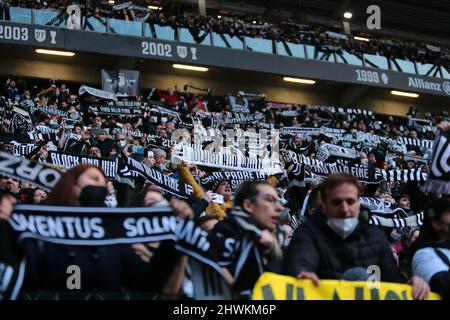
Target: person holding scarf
[(251, 237), (431, 251)]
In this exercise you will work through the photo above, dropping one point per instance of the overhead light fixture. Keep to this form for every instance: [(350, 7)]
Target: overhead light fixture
[(111, 1), (187, 67), (348, 15), (404, 94), (361, 39), (254, 21), (219, 17), (154, 7), (56, 52), (298, 80)]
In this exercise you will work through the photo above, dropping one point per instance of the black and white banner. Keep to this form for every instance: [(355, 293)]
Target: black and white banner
[(382, 207), (97, 93), (113, 110), (403, 175), (107, 226), (411, 221), (164, 111), (72, 116), (35, 136), (337, 151), (38, 174), (158, 142), (363, 174), (239, 104), (67, 161), (439, 176), (226, 161), (211, 181), (169, 184), (428, 144), (122, 83), (304, 131), (22, 149), (244, 119), (133, 133)]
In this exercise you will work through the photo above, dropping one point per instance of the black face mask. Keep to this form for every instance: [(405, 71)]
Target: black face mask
[(93, 196)]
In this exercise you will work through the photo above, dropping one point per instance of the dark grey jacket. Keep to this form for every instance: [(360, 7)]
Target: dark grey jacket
[(316, 248)]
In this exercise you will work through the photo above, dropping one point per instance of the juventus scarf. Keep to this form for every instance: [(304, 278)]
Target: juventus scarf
[(38, 174), (411, 221), (226, 161), (382, 207), (158, 142), (337, 151), (72, 116), (97, 93), (363, 174), (108, 226), (428, 144), (169, 184), (211, 181), (113, 110), (22, 149), (133, 133), (404, 175), (439, 178), (244, 119), (67, 161)]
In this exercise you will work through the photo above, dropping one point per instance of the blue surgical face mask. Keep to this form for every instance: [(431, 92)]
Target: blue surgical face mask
[(343, 227)]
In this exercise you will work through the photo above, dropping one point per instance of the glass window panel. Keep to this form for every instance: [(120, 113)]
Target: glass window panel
[(94, 24), (21, 15), (50, 17), (350, 58), (445, 73), (423, 69), (406, 66), (186, 36), (310, 51), (131, 28), (165, 33), (379, 61), (259, 45)]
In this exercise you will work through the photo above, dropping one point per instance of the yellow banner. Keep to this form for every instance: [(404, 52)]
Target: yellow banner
[(271, 286)]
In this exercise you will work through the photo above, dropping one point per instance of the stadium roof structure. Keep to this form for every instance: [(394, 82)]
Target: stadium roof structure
[(427, 21)]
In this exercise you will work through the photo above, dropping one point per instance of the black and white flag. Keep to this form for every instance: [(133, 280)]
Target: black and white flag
[(169, 184), (411, 221), (113, 110), (211, 181), (67, 161), (38, 174), (439, 173)]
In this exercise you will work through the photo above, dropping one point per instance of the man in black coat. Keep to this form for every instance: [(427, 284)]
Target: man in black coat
[(248, 241), (339, 244)]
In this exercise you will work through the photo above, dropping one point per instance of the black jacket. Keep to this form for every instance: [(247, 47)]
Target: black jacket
[(316, 248), (241, 253)]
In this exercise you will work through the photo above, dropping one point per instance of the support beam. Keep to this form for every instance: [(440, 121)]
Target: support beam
[(202, 7)]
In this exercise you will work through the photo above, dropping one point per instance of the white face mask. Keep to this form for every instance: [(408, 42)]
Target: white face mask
[(162, 203), (122, 143), (365, 161), (343, 227)]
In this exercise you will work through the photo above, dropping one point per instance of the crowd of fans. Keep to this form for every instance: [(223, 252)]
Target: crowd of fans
[(305, 227), (287, 31)]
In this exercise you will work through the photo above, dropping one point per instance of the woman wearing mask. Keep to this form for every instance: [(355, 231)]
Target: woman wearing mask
[(86, 186)]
